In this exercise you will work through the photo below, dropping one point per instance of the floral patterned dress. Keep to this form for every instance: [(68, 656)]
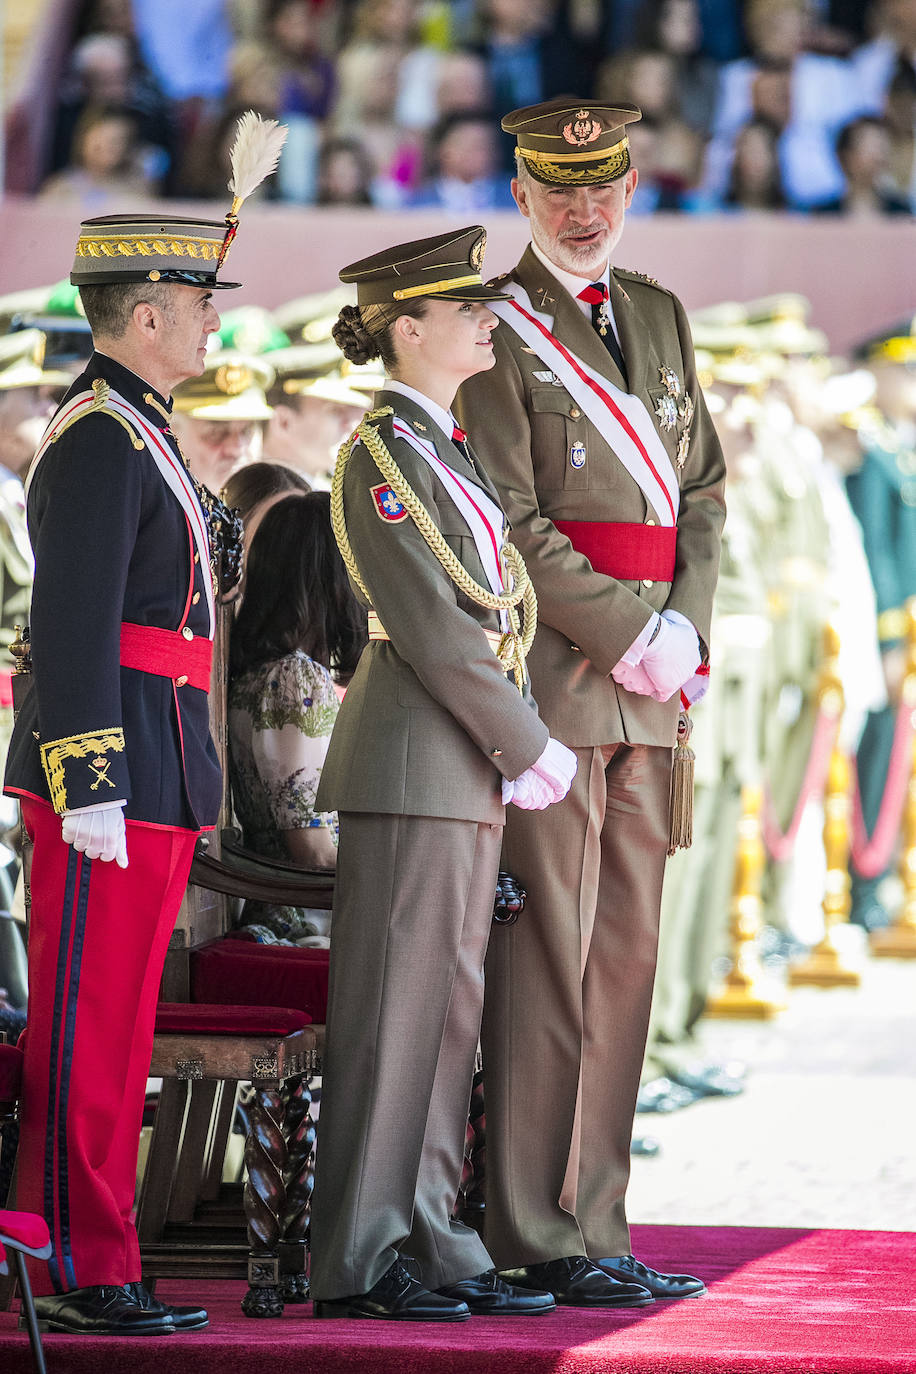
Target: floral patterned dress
[(281, 715)]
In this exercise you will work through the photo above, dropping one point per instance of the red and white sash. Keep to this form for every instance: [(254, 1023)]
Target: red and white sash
[(623, 420), (167, 461)]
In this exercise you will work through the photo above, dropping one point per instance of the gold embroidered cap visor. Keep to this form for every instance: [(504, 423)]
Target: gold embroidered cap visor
[(571, 142), (446, 267), (231, 387), (116, 249)]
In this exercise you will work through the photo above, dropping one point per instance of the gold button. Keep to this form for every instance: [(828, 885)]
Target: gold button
[(197, 558), (575, 413), (195, 598), (649, 522), (181, 681), (188, 632), (496, 753), (575, 648), (647, 583)]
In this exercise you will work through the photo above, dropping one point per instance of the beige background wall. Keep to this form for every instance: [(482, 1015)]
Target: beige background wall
[(859, 276)]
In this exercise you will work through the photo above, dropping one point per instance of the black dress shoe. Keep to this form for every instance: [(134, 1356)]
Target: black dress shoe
[(182, 1318), (487, 1295), (103, 1310), (629, 1270), (397, 1298), (575, 1282)]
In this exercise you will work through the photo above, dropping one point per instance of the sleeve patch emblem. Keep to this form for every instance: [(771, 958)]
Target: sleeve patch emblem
[(387, 505)]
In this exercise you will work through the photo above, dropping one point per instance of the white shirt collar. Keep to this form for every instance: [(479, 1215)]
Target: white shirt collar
[(443, 418), (572, 283)]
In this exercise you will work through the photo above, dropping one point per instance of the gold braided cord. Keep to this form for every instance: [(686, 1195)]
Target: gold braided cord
[(99, 405), (579, 173), (429, 288), (535, 155), (516, 642), (104, 246)]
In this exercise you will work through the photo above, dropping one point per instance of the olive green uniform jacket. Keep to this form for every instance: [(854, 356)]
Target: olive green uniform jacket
[(430, 722), (524, 428)]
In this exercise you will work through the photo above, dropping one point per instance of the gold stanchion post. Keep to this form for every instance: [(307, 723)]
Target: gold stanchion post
[(898, 941), (746, 992), (826, 966)]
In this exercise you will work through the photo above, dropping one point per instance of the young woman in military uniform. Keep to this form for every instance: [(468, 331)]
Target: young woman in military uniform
[(436, 732)]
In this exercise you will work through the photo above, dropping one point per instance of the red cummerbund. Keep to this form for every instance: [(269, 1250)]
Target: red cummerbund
[(167, 654), (630, 553)]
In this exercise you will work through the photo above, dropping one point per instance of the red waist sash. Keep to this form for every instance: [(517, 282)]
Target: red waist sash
[(630, 553), (167, 653)]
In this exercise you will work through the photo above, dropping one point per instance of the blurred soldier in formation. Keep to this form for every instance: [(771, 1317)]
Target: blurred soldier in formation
[(219, 417), (312, 413), (883, 496)]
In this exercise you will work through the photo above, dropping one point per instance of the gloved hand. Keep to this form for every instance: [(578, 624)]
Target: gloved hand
[(673, 656), (98, 832), (546, 781), (634, 678)]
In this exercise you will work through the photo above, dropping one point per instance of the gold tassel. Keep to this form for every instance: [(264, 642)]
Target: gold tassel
[(680, 807)]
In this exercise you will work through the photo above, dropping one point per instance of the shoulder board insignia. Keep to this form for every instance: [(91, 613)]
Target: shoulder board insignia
[(497, 281), (639, 276), (387, 505)]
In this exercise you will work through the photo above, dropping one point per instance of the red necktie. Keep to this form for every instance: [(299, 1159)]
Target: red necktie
[(596, 295), (458, 436)]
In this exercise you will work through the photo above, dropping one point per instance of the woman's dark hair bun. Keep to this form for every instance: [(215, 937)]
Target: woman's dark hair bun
[(352, 337)]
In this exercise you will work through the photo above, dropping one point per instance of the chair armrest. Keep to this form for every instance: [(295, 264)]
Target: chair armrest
[(239, 873)]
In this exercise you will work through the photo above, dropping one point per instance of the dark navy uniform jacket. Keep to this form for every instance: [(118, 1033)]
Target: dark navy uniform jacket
[(112, 543)]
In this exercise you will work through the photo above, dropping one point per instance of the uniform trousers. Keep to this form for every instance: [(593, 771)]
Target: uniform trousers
[(567, 1009), (413, 906), (98, 936)]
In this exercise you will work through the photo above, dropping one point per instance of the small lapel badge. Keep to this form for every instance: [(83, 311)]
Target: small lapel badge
[(577, 454), (419, 426), (387, 505), (550, 377)]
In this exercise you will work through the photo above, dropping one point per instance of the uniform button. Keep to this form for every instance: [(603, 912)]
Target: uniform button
[(496, 753), (181, 681), (647, 583), (197, 558), (188, 632), (649, 522), (575, 648), (575, 413), (195, 598)]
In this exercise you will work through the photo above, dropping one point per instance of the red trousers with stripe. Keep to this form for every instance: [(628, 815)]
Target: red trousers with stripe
[(98, 937)]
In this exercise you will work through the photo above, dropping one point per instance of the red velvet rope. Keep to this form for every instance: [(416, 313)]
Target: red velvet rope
[(871, 855), (781, 843)]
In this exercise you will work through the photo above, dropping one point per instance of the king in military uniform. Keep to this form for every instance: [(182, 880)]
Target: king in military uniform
[(111, 753), (595, 431)]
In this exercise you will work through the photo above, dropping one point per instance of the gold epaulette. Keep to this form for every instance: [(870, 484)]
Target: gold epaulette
[(639, 276), (100, 406)]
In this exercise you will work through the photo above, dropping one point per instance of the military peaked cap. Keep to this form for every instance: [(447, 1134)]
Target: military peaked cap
[(572, 142), (446, 267), (116, 249)]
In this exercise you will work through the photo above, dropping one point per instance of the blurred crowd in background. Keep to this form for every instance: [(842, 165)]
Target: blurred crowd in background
[(791, 105)]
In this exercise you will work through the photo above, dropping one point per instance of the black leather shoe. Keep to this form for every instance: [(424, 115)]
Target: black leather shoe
[(396, 1298), (575, 1282), (103, 1310), (488, 1295), (629, 1270), (182, 1318)]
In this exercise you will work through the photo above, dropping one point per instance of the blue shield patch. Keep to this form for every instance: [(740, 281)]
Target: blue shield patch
[(387, 505)]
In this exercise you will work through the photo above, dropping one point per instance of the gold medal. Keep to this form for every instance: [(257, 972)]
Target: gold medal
[(670, 380), (666, 411)]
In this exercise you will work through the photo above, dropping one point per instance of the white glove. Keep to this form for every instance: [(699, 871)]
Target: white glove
[(98, 832), (546, 781), (673, 656)]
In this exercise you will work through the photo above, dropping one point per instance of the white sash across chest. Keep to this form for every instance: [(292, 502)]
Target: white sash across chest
[(167, 461), (622, 419)]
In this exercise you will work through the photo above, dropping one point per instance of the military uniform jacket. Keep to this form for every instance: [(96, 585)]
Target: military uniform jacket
[(524, 428), (112, 544), (430, 722)]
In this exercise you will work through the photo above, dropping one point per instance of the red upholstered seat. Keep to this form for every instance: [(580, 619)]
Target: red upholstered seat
[(24, 1230), (10, 1074), (242, 973), (208, 1018)]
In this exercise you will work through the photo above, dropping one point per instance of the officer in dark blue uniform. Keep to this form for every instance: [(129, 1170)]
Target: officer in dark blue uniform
[(111, 754)]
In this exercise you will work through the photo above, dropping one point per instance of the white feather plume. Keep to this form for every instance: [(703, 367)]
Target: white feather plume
[(255, 154)]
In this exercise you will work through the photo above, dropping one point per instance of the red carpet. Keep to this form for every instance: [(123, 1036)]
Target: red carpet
[(780, 1302)]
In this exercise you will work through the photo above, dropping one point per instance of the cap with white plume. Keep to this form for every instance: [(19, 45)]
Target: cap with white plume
[(171, 248)]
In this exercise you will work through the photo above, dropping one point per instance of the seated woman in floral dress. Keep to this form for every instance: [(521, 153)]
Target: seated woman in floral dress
[(297, 639)]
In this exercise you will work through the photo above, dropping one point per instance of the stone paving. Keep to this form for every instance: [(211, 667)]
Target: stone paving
[(825, 1133)]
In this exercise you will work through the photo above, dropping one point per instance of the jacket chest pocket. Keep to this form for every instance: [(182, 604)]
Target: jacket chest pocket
[(558, 440)]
